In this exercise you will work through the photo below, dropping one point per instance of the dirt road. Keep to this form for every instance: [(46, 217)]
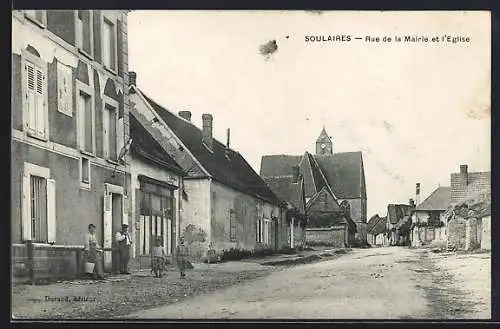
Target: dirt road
[(377, 283)]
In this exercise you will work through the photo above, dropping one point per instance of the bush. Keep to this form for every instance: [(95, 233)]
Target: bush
[(235, 254), (320, 244)]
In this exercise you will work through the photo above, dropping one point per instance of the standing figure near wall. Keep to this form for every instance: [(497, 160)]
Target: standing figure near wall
[(124, 242), (93, 253)]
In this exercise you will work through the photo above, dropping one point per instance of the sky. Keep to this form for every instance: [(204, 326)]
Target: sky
[(417, 111)]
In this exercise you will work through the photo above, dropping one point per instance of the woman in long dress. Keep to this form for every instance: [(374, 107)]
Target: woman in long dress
[(93, 252)]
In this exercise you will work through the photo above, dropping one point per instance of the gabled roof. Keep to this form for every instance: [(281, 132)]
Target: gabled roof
[(438, 200), (288, 191), (396, 212), (376, 225), (343, 172), (145, 146), (224, 165)]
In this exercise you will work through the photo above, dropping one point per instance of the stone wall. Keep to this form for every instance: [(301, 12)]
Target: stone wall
[(335, 236), (456, 232)]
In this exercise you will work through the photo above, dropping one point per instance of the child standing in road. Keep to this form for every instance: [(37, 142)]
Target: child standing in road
[(158, 258)]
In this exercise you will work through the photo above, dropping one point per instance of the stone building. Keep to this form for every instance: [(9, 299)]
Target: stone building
[(69, 107), (224, 202), (333, 182), (157, 182)]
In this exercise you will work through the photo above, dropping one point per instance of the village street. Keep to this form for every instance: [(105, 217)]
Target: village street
[(376, 283)]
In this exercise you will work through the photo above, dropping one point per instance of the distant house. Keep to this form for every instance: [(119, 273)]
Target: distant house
[(465, 184), (156, 193), (291, 191), (375, 230), (468, 217), (225, 203), (469, 223), (334, 185), (428, 222), (397, 224)]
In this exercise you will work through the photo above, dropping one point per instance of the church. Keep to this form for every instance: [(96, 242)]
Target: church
[(334, 186)]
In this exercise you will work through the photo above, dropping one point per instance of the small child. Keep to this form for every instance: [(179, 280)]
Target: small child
[(158, 258)]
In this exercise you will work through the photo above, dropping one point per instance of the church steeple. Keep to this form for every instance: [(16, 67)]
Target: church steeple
[(324, 143)]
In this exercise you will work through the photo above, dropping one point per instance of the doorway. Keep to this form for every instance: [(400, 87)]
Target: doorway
[(112, 221)]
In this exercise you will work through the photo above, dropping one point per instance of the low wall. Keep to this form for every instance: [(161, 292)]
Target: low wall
[(332, 236), (46, 262)]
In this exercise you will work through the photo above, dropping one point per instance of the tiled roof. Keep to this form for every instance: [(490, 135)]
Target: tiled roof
[(477, 182), (438, 200), (343, 171), (376, 225), (396, 212), (288, 191), (145, 146), (232, 170)]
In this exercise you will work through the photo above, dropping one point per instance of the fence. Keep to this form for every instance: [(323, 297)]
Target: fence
[(32, 262)]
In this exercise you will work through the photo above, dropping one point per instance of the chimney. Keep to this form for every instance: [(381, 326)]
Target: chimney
[(295, 172), (464, 174), (186, 115), (417, 194), (228, 137), (207, 129), (132, 78), (412, 203)]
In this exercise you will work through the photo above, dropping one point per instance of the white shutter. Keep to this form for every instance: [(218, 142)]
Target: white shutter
[(30, 73), (40, 102), (125, 210), (51, 210), (105, 124), (108, 229), (106, 44), (25, 206)]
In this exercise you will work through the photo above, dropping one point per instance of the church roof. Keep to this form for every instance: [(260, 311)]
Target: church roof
[(323, 136), (341, 172)]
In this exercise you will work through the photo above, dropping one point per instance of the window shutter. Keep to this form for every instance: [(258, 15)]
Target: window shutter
[(40, 102), (105, 121), (108, 234), (51, 211), (125, 210), (30, 73), (25, 202)]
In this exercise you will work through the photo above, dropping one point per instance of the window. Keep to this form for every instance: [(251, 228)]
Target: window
[(64, 89), (85, 173), (84, 28), (110, 119), (38, 194), (35, 97), (232, 226), (85, 122), (266, 234), (109, 44), (264, 231), (37, 16), (38, 206)]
